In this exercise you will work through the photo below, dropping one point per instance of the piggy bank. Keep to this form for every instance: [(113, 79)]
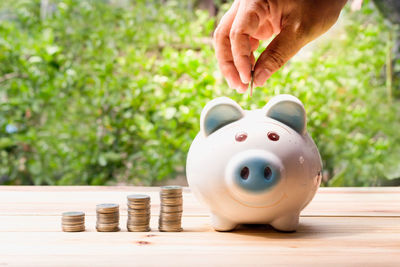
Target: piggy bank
[(254, 166)]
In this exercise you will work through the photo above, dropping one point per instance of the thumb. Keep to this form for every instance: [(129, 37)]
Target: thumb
[(283, 47)]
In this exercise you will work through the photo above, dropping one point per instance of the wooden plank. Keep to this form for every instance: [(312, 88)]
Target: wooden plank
[(333, 241), (212, 256), (54, 200)]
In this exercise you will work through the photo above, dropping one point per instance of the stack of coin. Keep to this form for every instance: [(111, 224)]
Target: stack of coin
[(138, 213), (73, 221), (171, 209), (107, 217)]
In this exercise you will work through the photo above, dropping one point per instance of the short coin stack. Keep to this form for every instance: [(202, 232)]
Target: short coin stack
[(138, 213), (107, 217), (171, 209), (73, 221)]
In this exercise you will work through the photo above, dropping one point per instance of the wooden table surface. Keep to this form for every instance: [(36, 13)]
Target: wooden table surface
[(341, 227)]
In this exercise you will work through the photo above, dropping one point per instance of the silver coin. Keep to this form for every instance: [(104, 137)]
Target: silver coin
[(138, 197), (107, 208), (171, 188), (73, 214)]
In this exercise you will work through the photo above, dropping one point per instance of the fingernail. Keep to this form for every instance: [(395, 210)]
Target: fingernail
[(261, 76), (241, 90), (230, 84), (244, 78)]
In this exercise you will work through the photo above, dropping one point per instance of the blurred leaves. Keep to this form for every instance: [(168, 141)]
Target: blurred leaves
[(102, 93)]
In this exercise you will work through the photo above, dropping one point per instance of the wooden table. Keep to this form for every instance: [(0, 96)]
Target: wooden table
[(341, 226)]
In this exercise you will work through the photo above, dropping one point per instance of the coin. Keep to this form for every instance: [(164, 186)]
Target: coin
[(144, 228), (170, 229), (107, 216), (108, 229), (63, 222), (171, 209), (171, 189), (164, 228), (108, 220), (167, 209), (252, 83), (167, 215), (107, 208), (171, 201), (73, 221), (138, 221), (77, 228), (138, 198), (139, 206), (73, 214), (73, 218), (138, 213), (111, 225), (137, 224)]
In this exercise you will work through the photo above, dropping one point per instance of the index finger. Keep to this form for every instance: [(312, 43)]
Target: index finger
[(223, 50), (245, 25)]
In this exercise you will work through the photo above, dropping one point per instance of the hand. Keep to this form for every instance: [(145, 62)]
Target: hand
[(294, 22)]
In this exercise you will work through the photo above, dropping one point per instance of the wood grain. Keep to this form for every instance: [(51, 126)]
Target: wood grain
[(341, 227), (54, 200)]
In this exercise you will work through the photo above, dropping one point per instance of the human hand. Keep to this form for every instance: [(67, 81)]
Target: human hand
[(294, 22)]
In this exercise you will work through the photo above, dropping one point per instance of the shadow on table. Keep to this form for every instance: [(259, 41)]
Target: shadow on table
[(305, 231)]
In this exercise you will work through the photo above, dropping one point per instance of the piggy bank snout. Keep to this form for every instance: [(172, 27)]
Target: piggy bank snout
[(253, 172), (256, 174)]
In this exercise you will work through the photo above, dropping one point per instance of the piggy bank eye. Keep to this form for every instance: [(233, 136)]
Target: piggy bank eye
[(273, 136), (240, 137)]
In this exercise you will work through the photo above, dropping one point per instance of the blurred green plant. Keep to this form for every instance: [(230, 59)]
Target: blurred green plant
[(99, 93)]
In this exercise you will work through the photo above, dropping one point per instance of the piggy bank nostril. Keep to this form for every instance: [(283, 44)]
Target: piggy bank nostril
[(267, 173), (244, 173)]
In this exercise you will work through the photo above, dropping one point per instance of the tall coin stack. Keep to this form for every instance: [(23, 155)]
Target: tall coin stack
[(138, 213), (171, 209), (107, 217), (73, 221)]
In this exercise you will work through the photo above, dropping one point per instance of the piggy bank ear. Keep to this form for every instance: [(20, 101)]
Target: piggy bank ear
[(288, 110), (218, 113)]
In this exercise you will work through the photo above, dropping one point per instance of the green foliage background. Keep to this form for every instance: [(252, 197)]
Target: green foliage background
[(100, 93)]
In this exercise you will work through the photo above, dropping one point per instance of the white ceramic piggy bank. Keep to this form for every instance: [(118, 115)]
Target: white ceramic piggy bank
[(254, 167)]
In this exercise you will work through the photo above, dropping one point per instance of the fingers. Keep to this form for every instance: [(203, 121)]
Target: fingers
[(254, 43), (245, 24), (223, 50), (285, 45)]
